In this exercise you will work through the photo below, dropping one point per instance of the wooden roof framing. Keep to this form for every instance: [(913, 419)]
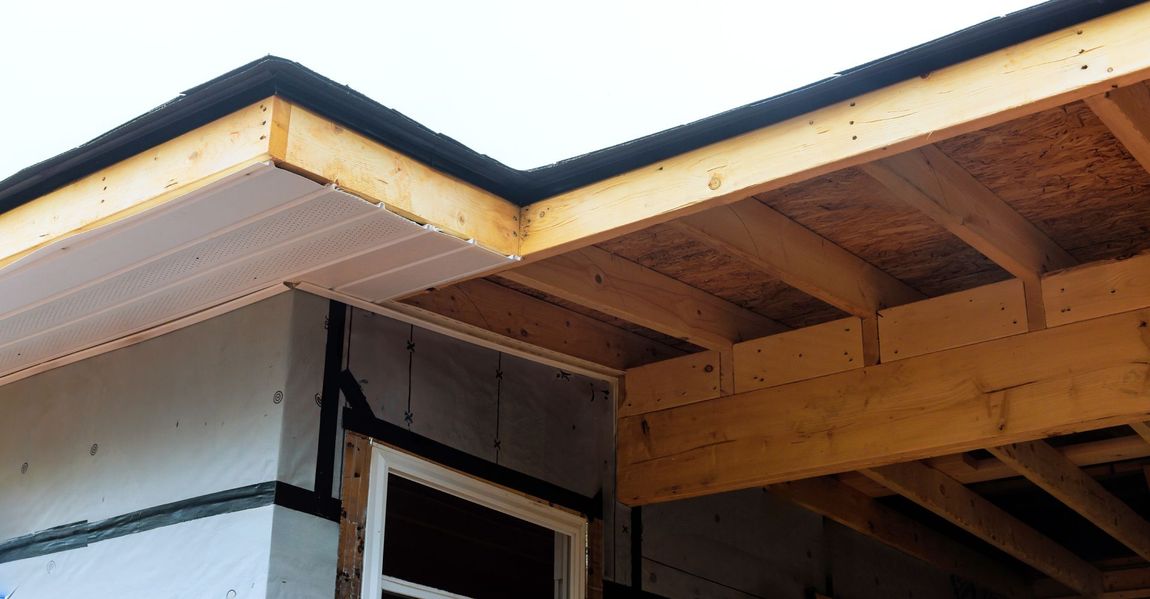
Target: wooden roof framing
[(840, 306)]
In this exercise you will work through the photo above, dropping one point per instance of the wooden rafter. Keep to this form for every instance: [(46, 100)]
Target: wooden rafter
[(520, 317), (1126, 112), (1042, 73), (929, 181), (1046, 467), (798, 256), (613, 285), (949, 499), (864, 515)]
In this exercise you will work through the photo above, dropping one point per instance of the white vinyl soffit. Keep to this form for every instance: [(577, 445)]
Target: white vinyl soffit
[(253, 230)]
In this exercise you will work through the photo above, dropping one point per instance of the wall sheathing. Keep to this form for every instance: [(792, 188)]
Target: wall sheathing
[(232, 402)]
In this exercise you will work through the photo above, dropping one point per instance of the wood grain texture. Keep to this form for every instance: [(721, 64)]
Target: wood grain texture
[(972, 316), (797, 355), (523, 318), (929, 181), (799, 257), (616, 286), (353, 515), (1046, 467), (948, 499), (1036, 75), (1055, 381), (1097, 289), (1126, 112), (670, 383), (832, 499)]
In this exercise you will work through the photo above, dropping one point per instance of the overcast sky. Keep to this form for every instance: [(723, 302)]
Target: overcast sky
[(526, 82)]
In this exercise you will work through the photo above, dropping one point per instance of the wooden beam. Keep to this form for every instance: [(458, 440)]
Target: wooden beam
[(929, 181), (1126, 112), (670, 383), (832, 499), (1038, 74), (1126, 583), (1055, 381), (964, 469), (798, 355), (1046, 467), (326, 151), (613, 285), (353, 515), (1097, 289), (953, 320), (948, 499), (1142, 429), (797, 256), (518, 316), (151, 178)]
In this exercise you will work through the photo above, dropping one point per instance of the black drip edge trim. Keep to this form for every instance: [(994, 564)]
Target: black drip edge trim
[(84, 533)]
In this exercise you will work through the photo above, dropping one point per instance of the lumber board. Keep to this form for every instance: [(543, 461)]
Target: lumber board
[(953, 320), (1038, 74), (1126, 113), (1142, 429), (1047, 468), (670, 383), (931, 182), (1097, 289), (832, 499), (1126, 583), (353, 515), (967, 470), (514, 315), (948, 499), (1054, 381), (148, 179), (800, 354), (328, 152), (616, 286), (797, 256)]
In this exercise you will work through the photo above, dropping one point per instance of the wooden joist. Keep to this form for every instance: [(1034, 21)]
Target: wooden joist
[(353, 515), (1126, 112), (1059, 380), (968, 470), (1142, 429), (1125, 583), (1097, 289), (834, 500), (949, 499), (613, 285), (797, 256), (798, 355), (929, 181), (1047, 468), (527, 320), (1038, 74)]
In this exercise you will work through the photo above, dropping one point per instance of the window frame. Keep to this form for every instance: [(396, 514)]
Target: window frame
[(386, 460)]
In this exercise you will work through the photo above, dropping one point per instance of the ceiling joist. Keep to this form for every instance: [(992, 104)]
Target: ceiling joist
[(1126, 112)]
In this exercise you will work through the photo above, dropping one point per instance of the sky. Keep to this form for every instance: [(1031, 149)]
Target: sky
[(525, 82)]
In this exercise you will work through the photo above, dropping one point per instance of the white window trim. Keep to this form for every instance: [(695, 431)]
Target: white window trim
[(386, 460)]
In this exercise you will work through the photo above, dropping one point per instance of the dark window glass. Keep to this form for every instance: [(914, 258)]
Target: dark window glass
[(442, 541)]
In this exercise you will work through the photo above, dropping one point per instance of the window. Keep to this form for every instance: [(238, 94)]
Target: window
[(433, 533)]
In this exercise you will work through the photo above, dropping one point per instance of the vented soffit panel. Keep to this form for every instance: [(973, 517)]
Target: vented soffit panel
[(253, 230)]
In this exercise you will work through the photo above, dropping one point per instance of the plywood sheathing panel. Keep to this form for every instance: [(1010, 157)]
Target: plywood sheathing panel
[(678, 344), (855, 212), (670, 252), (1062, 170)]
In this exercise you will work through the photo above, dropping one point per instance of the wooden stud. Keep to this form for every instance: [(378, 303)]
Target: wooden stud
[(948, 499), (931, 182), (670, 383), (1046, 467), (954, 320), (798, 355), (797, 256), (613, 285), (527, 320), (850, 508), (1055, 381), (1042, 73), (353, 515), (1126, 112), (1097, 289)]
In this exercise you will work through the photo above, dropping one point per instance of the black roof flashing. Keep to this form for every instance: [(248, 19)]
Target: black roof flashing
[(276, 76)]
